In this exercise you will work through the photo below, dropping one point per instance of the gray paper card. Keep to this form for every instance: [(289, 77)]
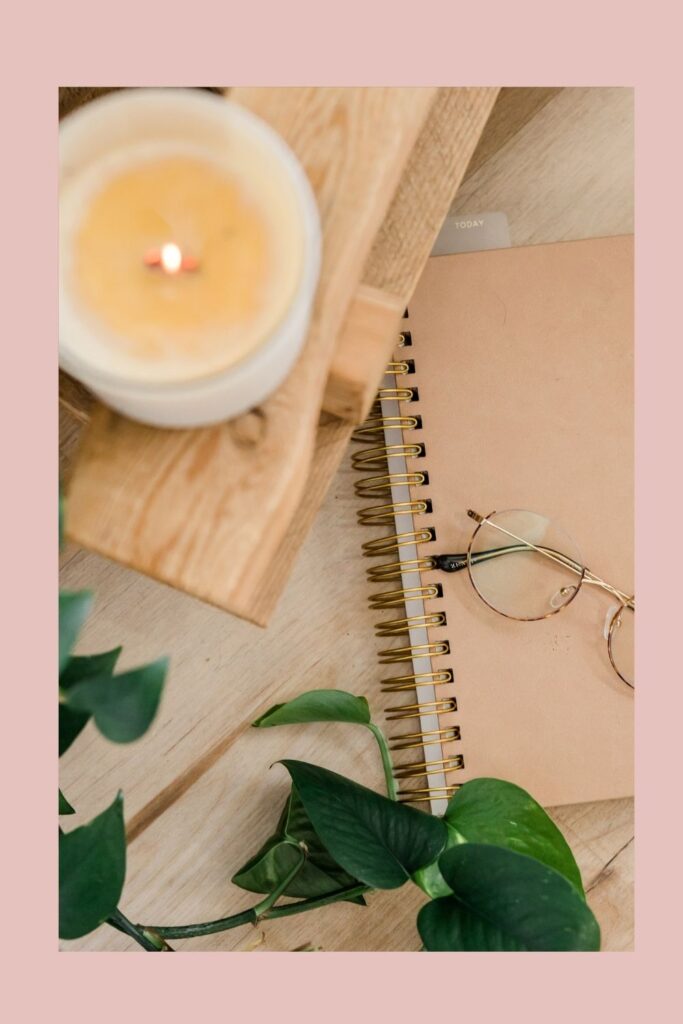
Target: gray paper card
[(472, 232)]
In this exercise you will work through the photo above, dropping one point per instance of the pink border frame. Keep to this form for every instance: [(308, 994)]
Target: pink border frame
[(524, 43)]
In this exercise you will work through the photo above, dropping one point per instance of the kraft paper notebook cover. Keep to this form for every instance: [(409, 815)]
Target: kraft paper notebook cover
[(519, 371)]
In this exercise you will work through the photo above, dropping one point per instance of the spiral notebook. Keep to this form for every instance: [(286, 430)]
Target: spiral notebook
[(512, 388)]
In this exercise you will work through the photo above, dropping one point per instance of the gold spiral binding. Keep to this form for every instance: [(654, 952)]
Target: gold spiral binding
[(395, 570), (377, 458), (410, 740), (376, 515), (397, 598), (375, 426), (432, 707), (395, 395), (398, 654), (417, 769), (423, 769), (385, 545), (373, 485), (399, 627), (397, 684), (426, 794), (386, 436)]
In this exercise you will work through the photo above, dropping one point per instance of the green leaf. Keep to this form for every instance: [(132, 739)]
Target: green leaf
[(123, 706), (320, 874), (74, 606), (429, 878), (317, 706), (78, 668), (64, 805), (505, 901), (500, 813), (71, 724), (376, 840), (83, 667), (445, 925), (92, 868)]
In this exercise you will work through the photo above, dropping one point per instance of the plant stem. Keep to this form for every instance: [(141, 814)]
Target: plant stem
[(253, 915), (223, 924), (392, 791), (142, 936), (288, 909), (264, 906)]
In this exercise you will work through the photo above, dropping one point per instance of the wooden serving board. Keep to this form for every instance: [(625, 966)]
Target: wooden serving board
[(208, 510)]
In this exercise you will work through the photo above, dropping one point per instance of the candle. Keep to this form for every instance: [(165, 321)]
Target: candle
[(189, 255)]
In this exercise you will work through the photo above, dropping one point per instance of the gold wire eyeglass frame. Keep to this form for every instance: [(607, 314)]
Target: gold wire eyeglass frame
[(626, 601)]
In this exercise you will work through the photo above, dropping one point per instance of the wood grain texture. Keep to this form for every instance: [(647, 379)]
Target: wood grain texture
[(540, 178), (199, 791), (71, 97), (513, 109), (75, 398), (435, 169), (206, 510)]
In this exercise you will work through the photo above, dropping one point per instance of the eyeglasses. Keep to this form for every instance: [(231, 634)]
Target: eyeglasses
[(538, 575)]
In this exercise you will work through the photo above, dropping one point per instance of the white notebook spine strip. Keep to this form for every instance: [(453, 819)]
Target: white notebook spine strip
[(419, 696)]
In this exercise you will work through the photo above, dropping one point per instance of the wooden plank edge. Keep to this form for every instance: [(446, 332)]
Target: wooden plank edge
[(365, 344)]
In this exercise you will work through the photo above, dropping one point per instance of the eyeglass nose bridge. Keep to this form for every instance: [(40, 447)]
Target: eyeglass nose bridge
[(620, 595)]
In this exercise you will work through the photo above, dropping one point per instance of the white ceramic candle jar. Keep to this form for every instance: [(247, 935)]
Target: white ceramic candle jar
[(189, 255)]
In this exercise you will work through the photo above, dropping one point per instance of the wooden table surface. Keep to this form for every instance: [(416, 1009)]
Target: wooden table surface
[(200, 795)]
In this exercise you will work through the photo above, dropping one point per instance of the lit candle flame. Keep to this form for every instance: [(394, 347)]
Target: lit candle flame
[(171, 258)]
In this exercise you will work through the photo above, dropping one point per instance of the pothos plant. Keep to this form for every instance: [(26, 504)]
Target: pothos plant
[(496, 872)]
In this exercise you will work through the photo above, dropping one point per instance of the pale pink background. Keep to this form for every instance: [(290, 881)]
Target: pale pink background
[(420, 42)]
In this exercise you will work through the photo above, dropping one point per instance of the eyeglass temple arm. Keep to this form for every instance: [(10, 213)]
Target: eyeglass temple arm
[(456, 562)]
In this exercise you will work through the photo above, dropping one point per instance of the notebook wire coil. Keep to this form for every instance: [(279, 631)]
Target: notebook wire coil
[(385, 458)]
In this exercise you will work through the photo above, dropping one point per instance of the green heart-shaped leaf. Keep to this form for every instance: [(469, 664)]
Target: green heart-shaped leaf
[(505, 901), (445, 925), (82, 667), (376, 840), (317, 706), (92, 868), (500, 813), (123, 706), (64, 805), (73, 610), (320, 874), (78, 668)]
